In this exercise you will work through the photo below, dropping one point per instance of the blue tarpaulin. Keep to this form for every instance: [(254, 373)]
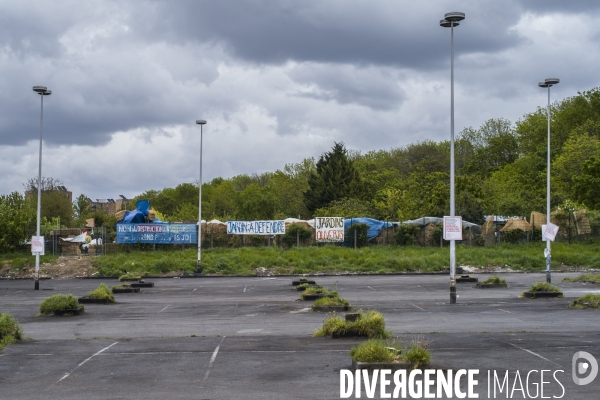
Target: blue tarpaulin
[(375, 226)]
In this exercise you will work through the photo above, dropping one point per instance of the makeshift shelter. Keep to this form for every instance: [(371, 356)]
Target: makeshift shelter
[(515, 223)]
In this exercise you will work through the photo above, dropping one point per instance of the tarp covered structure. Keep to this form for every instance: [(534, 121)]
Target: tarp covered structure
[(375, 226)]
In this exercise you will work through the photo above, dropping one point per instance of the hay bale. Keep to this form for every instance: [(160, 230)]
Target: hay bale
[(582, 223), (516, 223)]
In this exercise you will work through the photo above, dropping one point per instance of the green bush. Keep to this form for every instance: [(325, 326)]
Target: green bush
[(295, 231), (587, 301), (361, 235), (58, 302), (405, 235), (10, 330), (514, 236), (101, 292)]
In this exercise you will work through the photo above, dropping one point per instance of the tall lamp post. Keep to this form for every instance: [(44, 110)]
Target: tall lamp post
[(200, 122), (548, 83), (42, 91), (451, 20)]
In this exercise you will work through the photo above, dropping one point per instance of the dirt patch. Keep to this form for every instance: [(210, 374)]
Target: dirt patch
[(64, 268)]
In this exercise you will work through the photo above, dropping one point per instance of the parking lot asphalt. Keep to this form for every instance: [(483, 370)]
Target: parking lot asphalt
[(251, 338)]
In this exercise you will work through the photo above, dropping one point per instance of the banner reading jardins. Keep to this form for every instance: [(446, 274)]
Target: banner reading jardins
[(329, 229)]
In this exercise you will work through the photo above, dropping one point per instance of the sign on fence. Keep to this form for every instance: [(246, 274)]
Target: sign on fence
[(329, 229), (549, 231), (37, 245), (452, 228), (157, 233), (256, 227)]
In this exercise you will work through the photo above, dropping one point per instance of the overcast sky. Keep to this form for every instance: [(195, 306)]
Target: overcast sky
[(277, 81)]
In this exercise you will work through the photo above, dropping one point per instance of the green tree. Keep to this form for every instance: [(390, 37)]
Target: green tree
[(587, 185), (255, 203), (494, 145), (347, 208), (335, 178), (82, 209), (18, 216), (569, 164)]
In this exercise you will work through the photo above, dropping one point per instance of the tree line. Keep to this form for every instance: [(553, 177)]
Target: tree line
[(500, 169)]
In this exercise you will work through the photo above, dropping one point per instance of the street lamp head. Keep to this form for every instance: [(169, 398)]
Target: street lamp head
[(201, 122), (454, 16), (543, 85), (552, 81), (447, 24), (40, 89), (45, 93)]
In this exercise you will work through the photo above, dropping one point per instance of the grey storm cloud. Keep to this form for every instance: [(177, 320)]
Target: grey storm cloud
[(290, 75)]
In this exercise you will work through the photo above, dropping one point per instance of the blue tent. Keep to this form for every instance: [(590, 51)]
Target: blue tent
[(138, 216), (375, 227)]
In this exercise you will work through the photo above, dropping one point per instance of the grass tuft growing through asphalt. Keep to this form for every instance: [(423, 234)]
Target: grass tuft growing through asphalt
[(587, 301), (369, 324), (10, 330)]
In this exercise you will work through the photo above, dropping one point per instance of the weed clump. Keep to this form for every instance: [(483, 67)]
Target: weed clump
[(130, 276), (377, 350), (58, 302), (370, 324), (101, 292), (544, 287), (495, 280), (335, 301), (10, 330), (587, 301), (584, 278)]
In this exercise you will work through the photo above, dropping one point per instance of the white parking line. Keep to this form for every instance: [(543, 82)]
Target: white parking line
[(419, 308), (244, 288), (535, 354), (371, 288), (86, 360), (164, 309), (505, 311), (212, 359)]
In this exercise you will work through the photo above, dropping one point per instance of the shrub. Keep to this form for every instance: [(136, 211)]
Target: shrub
[(587, 301), (101, 292), (494, 279), (295, 231), (10, 330), (514, 236), (124, 286), (405, 235), (58, 302), (361, 235)]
